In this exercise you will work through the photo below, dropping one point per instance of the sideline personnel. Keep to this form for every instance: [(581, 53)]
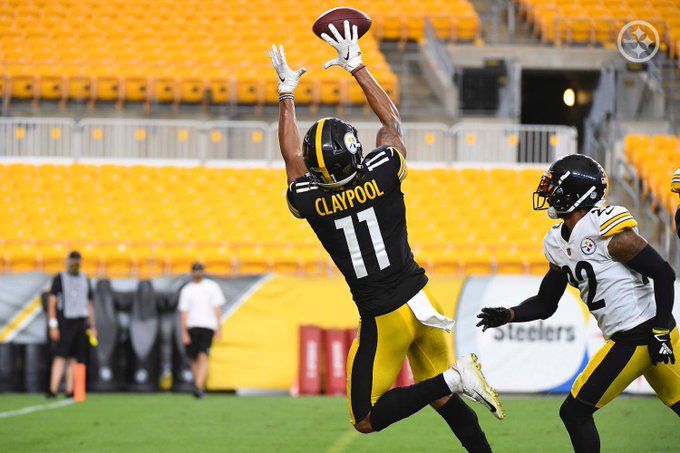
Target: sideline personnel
[(199, 305), (69, 308)]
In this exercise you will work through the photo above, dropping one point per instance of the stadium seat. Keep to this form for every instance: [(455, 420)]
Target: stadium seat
[(585, 22), (145, 221), (178, 47), (655, 159)]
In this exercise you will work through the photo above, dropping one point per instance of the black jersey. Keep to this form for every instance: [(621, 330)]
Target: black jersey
[(362, 226)]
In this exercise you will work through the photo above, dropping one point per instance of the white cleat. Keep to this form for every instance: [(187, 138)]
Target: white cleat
[(475, 387)]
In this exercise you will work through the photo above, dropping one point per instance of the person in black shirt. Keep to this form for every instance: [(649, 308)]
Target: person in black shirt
[(69, 311), (356, 208)]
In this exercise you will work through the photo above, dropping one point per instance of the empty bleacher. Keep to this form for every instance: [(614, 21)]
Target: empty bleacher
[(655, 159), (196, 51), (599, 21), (144, 220)]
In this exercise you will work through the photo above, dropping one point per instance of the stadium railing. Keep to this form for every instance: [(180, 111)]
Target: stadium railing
[(104, 138)]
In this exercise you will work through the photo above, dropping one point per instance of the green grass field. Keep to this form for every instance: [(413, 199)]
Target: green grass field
[(166, 422)]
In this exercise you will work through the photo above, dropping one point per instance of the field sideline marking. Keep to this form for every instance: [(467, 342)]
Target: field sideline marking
[(31, 409), (25, 316), (245, 296), (342, 442)]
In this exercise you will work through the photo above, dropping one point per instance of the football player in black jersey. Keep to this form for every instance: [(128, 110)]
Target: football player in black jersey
[(354, 204)]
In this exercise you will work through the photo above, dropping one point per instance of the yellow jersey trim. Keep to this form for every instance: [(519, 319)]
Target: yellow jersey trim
[(606, 225), (624, 224)]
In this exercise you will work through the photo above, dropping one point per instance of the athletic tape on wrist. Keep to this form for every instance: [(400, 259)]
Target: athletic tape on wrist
[(283, 97)]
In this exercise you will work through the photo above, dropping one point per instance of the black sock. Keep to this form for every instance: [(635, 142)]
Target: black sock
[(578, 419), (403, 402), (676, 408), (464, 424)]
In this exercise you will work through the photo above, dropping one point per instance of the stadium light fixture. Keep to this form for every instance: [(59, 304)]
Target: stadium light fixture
[(569, 97)]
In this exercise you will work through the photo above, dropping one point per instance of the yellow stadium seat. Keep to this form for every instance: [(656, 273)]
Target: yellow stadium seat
[(180, 215), (136, 89)]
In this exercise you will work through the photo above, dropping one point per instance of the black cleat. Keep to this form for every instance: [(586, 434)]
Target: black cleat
[(50, 396), (198, 393)]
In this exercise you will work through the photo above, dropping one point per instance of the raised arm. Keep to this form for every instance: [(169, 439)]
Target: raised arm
[(349, 58), (289, 136), (541, 306)]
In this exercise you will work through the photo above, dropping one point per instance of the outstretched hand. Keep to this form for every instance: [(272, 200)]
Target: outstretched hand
[(349, 53), (288, 79), (493, 317)]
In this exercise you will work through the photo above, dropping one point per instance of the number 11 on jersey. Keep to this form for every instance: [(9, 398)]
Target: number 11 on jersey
[(347, 226)]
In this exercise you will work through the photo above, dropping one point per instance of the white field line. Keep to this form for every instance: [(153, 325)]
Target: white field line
[(38, 408)]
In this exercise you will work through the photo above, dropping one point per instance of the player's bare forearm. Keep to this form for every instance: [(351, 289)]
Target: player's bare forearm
[(289, 141), (381, 104)]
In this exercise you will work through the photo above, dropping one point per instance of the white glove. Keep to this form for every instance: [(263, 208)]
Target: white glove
[(349, 53), (288, 79)]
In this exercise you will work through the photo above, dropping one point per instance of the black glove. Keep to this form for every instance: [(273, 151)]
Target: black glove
[(493, 317), (660, 347)]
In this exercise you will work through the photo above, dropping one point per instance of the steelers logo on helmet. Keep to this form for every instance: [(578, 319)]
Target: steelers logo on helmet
[(351, 142), (588, 246)]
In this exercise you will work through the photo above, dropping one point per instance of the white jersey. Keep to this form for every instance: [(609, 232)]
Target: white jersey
[(616, 295)]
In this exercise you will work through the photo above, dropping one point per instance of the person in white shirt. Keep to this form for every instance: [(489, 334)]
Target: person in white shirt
[(200, 303)]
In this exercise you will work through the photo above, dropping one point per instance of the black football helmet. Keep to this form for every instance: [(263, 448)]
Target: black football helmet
[(332, 152), (571, 182)]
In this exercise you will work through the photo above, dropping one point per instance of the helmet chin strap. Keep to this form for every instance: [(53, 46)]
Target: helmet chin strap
[(335, 185)]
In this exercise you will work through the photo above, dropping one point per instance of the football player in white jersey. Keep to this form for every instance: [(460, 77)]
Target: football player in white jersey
[(675, 187), (598, 250)]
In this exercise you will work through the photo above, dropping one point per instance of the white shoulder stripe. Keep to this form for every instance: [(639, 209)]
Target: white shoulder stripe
[(377, 164), (374, 158), (306, 189)]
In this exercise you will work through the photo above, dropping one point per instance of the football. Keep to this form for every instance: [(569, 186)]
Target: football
[(337, 16)]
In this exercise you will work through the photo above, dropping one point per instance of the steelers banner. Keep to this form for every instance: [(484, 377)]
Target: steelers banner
[(543, 356)]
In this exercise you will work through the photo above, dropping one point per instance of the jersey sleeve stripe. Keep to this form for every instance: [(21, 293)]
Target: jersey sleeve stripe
[(404, 173), (605, 225), (625, 223), (376, 157), (294, 211), (377, 164), (402, 165)]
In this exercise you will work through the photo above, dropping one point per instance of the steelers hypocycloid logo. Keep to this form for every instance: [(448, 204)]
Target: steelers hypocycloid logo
[(588, 247), (351, 142), (638, 41)]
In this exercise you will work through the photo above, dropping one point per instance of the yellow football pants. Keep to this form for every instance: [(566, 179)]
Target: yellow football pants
[(616, 365), (377, 355)]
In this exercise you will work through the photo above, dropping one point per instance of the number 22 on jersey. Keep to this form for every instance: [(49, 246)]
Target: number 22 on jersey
[(346, 224), (592, 283)]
